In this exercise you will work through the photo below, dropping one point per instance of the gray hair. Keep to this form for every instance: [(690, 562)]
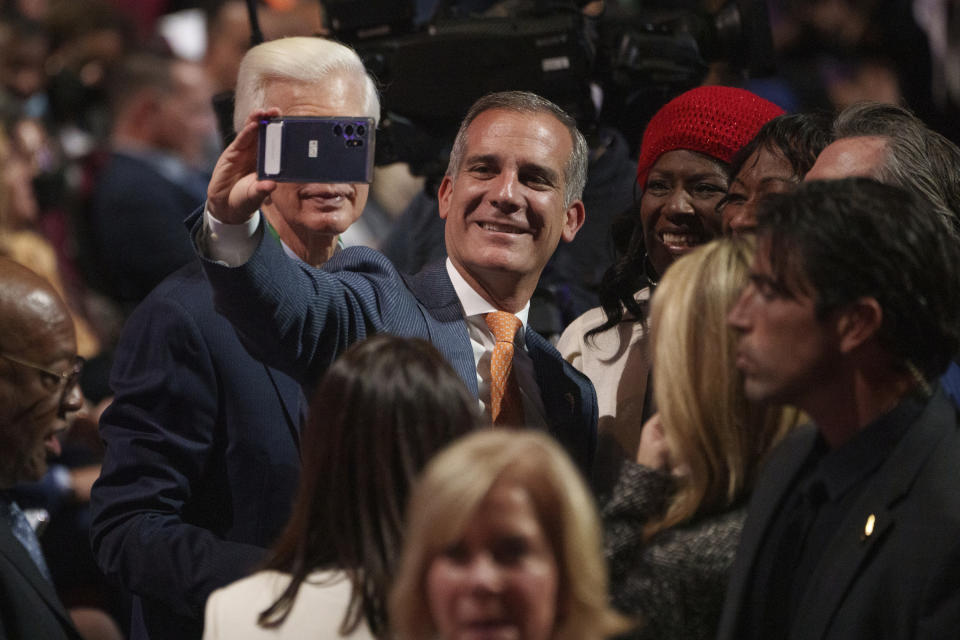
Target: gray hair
[(575, 169), (917, 158), (300, 59)]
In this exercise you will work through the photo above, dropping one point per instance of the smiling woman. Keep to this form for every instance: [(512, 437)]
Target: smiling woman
[(775, 161), (502, 542), (682, 174)]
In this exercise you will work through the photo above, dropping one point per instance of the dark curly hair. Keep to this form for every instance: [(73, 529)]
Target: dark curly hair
[(798, 137)]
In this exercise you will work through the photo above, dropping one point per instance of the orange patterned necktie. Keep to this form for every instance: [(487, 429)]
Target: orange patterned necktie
[(505, 404)]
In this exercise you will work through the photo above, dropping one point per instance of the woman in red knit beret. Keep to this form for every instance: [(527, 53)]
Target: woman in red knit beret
[(681, 175)]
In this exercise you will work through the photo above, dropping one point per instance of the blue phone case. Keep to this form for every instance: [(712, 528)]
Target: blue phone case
[(316, 149)]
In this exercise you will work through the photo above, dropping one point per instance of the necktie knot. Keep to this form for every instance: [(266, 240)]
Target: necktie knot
[(23, 532), (504, 325)]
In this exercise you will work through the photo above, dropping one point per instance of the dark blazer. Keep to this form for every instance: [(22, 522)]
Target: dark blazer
[(29, 607), (202, 458), (902, 580), (299, 319), (136, 225)]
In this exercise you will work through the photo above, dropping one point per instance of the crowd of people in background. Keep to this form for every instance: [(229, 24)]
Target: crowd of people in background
[(694, 375)]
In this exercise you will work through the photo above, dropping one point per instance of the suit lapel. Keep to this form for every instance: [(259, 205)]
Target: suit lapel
[(18, 557), (853, 546), (443, 314), (779, 473), (291, 401), (569, 400)]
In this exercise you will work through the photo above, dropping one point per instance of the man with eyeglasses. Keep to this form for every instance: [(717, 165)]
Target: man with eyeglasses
[(39, 368)]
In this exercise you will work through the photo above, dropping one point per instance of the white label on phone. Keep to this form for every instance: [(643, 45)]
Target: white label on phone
[(272, 149)]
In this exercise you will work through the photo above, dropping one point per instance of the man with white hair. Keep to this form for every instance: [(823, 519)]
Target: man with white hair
[(202, 440)]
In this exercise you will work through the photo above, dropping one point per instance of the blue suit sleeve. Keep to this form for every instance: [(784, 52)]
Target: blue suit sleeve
[(297, 318)]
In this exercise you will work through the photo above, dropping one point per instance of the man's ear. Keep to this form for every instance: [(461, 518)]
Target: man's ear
[(444, 195), (575, 217), (143, 108), (858, 322)]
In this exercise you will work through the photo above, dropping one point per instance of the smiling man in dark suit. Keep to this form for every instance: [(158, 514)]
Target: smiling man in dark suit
[(851, 316), (202, 457), (38, 390), (510, 195)]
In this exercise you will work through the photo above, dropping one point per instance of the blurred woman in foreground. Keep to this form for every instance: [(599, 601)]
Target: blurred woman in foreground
[(502, 541)]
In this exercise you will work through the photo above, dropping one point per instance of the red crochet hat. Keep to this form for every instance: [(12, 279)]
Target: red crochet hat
[(714, 120)]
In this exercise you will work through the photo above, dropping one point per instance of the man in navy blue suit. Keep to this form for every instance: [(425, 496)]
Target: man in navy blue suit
[(510, 195), (202, 440)]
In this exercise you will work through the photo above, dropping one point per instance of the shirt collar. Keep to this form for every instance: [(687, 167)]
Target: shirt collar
[(286, 249), (472, 302), (841, 469), (167, 164)]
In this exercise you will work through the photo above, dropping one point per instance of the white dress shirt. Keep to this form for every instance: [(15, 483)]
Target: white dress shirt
[(482, 341)]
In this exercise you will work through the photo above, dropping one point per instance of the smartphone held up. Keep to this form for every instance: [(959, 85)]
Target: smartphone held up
[(316, 149)]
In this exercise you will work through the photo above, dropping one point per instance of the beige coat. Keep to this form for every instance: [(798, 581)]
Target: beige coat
[(321, 602), (617, 361)]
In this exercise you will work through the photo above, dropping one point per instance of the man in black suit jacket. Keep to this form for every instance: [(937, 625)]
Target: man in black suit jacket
[(202, 457), (851, 315), (511, 194), (38, 389)]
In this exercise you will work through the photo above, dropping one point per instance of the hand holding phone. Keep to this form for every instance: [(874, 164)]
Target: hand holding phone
[(234, 192)]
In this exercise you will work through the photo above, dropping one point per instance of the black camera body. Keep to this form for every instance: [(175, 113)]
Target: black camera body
[(431, 73)]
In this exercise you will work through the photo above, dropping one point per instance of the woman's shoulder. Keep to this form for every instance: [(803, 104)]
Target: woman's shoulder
[(260, 588), (576, 330), (574, 341), (272, 583), (320, 605), (708, 542)]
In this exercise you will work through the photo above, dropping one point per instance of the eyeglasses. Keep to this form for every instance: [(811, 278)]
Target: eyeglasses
[(65, 378)]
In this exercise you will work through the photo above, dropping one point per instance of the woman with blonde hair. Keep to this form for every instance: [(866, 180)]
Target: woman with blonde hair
[(502, 539), (674, 520)]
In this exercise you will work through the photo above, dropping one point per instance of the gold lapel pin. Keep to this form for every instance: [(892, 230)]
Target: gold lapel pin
[(868, 527)]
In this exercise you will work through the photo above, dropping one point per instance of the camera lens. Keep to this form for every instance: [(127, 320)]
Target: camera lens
[(337, 130), (349, 129), (361, 129)]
